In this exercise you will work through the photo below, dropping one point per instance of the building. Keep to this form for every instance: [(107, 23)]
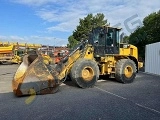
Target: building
[(152, 58)]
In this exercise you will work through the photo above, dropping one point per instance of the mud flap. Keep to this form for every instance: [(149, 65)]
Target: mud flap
[(34, 77)]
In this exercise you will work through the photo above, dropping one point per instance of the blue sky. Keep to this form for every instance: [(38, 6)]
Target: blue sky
[(50, 22)]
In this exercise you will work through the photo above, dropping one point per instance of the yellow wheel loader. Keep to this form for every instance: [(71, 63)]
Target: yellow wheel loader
[(101, 54), (12, 52)]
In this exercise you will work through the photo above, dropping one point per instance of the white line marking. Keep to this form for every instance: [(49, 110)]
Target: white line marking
[(142, 106), (148, 108), (111, 93)]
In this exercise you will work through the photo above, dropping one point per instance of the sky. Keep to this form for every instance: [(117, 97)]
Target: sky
[(51, 22)]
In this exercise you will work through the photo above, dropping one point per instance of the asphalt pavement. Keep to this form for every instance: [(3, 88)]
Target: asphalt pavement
[(108, 100)]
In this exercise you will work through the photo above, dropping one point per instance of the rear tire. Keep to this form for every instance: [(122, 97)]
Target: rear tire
[(85, 73), (125, 71)]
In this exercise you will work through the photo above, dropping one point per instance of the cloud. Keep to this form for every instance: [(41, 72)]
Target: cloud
[(49, 40), (35, 2), (63, 20), (63, 15), (67, 26), (12, 38), (35, 40), (116, 11)]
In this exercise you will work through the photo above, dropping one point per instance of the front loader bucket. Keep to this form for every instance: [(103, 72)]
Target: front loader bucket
[(34, 77)]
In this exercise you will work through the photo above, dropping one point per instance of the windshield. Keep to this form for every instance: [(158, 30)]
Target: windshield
[(104, 37), (98, 36)]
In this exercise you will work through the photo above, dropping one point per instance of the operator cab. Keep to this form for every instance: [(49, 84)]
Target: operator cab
[(105, 40)]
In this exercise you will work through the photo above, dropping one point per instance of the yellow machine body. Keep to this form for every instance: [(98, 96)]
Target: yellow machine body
[(12, 52), (7, 54), (82, 65)]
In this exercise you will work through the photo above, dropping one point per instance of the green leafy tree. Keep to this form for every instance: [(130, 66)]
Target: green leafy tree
[(72, 41), (152, 27), (85, 26), (147, 34), (125, 39)]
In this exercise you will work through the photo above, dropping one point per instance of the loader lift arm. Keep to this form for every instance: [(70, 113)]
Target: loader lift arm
[(34, 75), (79, 51)]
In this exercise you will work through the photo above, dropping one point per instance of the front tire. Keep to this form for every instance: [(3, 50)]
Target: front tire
[(85, 73), (125, 71)]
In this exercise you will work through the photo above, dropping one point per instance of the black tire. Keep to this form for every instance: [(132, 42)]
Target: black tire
[(121, 75), (85, 79)]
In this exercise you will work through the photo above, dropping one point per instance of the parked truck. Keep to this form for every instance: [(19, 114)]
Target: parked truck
[(12, 52)]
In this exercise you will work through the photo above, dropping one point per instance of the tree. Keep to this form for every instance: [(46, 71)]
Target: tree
[(125, 39), (147, 34), (72, 42), (152, 26), (85, 26)]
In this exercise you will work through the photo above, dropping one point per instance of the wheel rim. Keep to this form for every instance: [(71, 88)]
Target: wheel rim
[(87, 73), (128, 71)]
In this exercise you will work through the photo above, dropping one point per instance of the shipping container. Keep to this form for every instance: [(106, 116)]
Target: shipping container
[(152, 58)]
